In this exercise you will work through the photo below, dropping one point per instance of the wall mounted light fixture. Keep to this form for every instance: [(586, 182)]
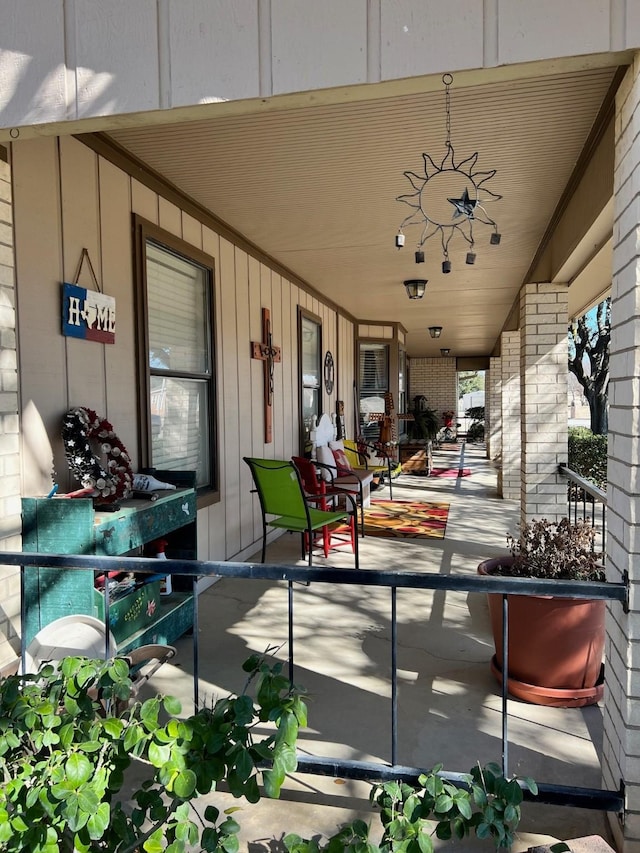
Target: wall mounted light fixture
[(416, 287), (445, 351), (435, 331)]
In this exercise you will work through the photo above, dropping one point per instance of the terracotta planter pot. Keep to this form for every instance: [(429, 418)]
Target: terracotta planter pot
[(555, 646)]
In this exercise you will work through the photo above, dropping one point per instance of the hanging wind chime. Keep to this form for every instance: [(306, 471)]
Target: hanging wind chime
[(436, 207)]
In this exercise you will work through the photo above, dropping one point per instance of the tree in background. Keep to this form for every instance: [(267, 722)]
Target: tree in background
[(469, 381), (589, 337)]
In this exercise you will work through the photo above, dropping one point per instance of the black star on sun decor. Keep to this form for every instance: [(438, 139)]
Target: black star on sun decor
[(438, 209), (463, 206)]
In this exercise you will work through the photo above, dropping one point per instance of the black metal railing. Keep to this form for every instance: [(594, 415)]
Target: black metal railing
[(592, 798), (587, 502)]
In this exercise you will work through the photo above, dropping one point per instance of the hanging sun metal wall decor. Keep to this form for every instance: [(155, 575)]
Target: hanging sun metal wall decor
[(438, 209)]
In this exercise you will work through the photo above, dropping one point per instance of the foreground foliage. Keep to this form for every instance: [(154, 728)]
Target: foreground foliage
[(488, 806), (65, 757), (69, 737)]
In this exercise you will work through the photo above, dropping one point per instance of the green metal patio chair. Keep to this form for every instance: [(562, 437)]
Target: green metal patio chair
[(282, 495)]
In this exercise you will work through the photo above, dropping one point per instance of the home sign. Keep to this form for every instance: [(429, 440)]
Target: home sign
[(88, 314)]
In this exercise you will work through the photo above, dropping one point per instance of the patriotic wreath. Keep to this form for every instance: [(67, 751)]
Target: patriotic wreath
[(80, 427)]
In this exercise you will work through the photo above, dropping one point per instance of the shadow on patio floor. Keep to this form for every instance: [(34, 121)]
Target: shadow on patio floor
[(449, 704)]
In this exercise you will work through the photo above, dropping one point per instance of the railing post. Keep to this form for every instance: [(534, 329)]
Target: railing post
[(505, 684), (394, 677), (196, 645), (290, 628)]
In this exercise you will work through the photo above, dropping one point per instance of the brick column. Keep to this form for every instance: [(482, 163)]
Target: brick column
[(10, 506), (509, 481), (621, 716), (493, 409), (543, 368)]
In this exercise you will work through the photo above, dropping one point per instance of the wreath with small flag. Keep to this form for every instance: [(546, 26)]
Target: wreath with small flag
[(109, 482)]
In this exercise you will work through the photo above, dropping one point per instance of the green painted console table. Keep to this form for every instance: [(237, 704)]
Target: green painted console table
[(72, 526)]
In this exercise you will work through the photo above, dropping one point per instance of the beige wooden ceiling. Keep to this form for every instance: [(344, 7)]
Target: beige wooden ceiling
[(316, 188)]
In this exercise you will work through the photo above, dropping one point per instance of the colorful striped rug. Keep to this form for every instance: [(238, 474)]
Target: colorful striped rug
[(451, 472), (406, 519)]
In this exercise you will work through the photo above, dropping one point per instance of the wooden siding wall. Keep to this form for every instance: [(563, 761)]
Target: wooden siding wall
[(66, 198), (11, 524)]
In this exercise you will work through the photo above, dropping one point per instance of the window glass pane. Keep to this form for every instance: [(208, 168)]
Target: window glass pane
[(310, 404), (374, 382), (179, 426), (310, 342), (310, 353), (374, 370), (177, 312)]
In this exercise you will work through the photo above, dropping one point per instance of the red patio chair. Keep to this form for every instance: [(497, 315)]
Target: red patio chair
[(325, 494)]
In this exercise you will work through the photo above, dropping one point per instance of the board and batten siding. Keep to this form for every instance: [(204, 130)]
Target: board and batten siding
[(10, 523), (66, 198), (92, 59)]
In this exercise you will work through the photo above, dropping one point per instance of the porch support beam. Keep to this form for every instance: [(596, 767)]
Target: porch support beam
[(621, 713), (509, 480), (493, 410), (543, 404)]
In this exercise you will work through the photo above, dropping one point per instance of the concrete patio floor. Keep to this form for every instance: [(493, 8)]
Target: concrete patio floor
[(449, 703)]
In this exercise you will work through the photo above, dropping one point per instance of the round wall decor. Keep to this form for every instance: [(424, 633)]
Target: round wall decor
[(329, 372)]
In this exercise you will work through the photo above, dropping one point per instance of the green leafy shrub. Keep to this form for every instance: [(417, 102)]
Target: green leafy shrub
[(588, 455), (488, 805), (65, 758)]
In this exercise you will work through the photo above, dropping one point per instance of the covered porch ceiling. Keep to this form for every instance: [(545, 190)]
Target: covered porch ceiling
[(315, 188)]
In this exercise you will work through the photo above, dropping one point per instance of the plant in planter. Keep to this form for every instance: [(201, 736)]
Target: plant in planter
[(555, 644), (66, 757), (476, 428), (425, 423)]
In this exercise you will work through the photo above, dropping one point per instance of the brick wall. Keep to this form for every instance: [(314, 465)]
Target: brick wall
[(543, 390), (436, 378), (621, 712), (10, 507)]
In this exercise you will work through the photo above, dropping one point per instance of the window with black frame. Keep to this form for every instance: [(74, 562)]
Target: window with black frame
[(178, 328), (310, 349)]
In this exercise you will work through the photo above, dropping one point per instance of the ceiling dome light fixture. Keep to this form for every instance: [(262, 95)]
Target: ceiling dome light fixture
[(416, 287), (435, 331), (444, 351), (449, 198)]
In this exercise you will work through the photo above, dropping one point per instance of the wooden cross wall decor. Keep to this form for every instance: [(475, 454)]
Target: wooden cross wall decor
[(269, 355)]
